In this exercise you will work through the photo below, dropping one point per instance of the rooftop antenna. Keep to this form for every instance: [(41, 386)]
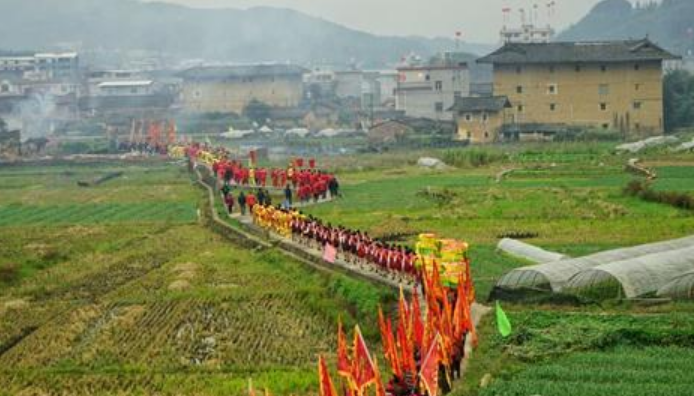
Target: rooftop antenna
[(506, 12)]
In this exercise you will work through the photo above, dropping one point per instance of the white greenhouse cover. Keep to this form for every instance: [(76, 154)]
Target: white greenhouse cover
[(682, 287), (528, 252), (647, 143), (557, 273), (642, 275)]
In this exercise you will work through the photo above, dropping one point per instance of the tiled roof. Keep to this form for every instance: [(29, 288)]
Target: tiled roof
[(578, 52), (227, 72), (483, 103)]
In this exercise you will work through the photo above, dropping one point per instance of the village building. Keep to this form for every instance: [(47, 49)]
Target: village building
[(527, 33), (429, 91), (228, 89), (411, 132), (616, 85), (349, 84), (481, 119)]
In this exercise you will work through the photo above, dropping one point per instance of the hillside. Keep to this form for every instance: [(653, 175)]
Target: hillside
[(257, 34), (667, 23)]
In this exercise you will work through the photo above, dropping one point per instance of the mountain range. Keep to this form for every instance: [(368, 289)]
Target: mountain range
[(252, 35), (670, 23)]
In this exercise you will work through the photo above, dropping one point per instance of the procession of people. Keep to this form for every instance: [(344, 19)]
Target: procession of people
[(424, 348)]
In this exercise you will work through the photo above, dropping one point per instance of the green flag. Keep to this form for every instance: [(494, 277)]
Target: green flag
[(502, 322)]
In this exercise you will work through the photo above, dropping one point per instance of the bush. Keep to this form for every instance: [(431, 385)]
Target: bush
[(473, 157), (643, 191)]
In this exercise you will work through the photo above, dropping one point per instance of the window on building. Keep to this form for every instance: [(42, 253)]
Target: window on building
[(637, 87), (603, 106), (519, 70), (603, 89), (552, 106), (637, 105), (605, 126), (637, 67), (438, 85), (521, 108), (438, 106), (486, 135), (4, 88), (427, 78), (485, 117), (519, 89), (603, 68), (637, 126), (133, 90), (468, 117), (457, 94), (197, 94), (551, 69), (552, 89)]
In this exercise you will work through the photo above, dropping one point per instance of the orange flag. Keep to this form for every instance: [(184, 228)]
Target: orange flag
[(403, 311), (363, 371), (380, 389), (344, 363), (388, 341), (326, 383), (417, 323), (429, 374)]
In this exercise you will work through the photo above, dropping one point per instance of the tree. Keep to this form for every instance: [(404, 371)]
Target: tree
[(679, 100), (257, 111)]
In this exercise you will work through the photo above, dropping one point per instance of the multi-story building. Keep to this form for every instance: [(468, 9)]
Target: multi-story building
[(527, 33), (349, 84), (479, 119), (614, 85), (227, 89), (41, 66), (429, 91)]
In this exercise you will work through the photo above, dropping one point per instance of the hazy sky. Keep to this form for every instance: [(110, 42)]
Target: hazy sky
[(479, 20)]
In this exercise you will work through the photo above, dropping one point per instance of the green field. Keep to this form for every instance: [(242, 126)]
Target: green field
[(117, 289), (572, 198), (120, 289)]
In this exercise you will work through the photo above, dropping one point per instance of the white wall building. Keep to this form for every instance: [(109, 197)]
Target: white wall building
[(429, 91), (527, 33)]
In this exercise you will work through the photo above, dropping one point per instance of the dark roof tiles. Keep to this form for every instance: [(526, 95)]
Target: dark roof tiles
[(483, 103), (578, 52), (245, 71)]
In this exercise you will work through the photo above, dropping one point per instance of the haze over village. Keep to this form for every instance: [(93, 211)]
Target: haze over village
[(346, 198)]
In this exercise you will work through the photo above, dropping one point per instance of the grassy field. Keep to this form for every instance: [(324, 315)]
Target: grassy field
[(573, 209), (571, 197), (116, 289)]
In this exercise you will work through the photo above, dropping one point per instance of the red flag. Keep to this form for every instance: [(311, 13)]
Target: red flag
[(429, 374), (417, 323), (326, 383), (389, 348), (403, 311), (380, 389), (407, 361), (363, 370), (344, 363)]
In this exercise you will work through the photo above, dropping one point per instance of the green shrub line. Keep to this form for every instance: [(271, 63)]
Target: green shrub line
[(643, 190)]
